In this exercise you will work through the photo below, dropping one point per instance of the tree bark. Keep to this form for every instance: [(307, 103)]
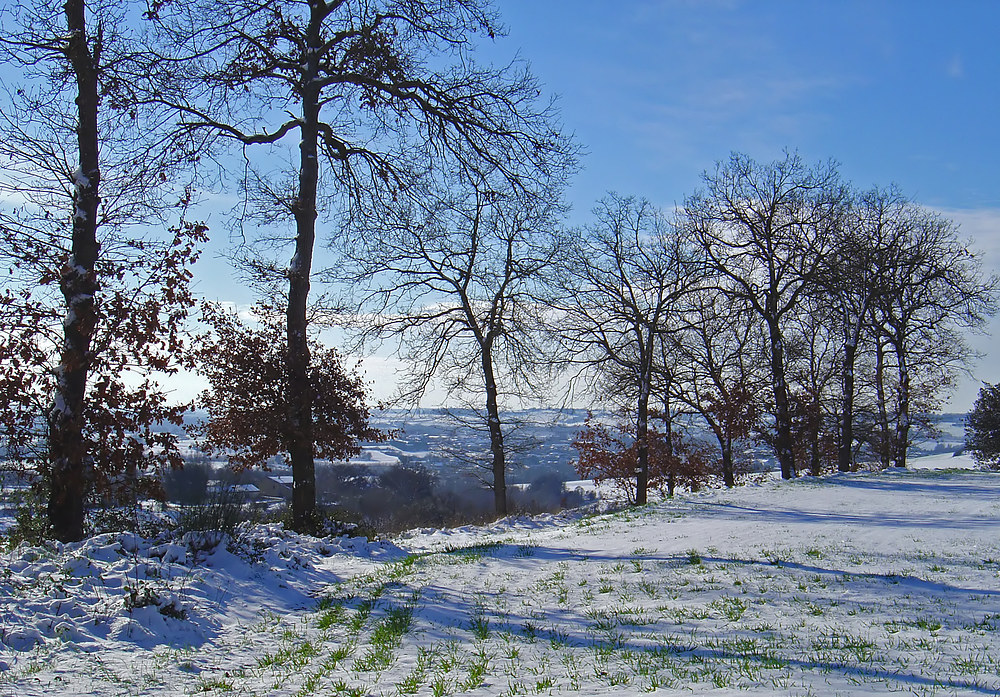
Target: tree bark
[(78, 282), (642, 440), (782, 415), (885, 441), (728, 473), (902, 439), (499, 463), (845, 453), (298, 388)]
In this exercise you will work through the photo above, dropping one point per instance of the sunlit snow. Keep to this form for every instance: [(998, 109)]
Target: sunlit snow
[(842, 585)]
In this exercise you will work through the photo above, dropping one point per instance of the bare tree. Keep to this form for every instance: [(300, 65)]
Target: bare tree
[(371, 93), (85, 158), (931, 288), (456, 277), (813, 373), (765, 229), (717, 372), (621, 283), (850, 283)]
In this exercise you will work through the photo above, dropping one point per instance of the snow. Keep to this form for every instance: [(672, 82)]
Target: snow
[(842, 585)]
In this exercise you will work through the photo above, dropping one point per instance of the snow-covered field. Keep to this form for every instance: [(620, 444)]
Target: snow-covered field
[(846, 585)]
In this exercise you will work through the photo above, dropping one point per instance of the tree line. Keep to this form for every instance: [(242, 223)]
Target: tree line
[(778, 303)]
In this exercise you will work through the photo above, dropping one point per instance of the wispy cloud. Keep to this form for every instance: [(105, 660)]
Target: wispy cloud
[(956, 67)]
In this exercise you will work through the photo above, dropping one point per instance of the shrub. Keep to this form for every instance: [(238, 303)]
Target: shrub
[(222, 511), (613, 454), (29, 524)]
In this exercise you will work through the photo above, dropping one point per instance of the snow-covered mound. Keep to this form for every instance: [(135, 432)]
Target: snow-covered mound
[(124, 589), (848, 584)]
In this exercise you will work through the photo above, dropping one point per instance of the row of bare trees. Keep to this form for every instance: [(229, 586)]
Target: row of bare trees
[(436, 187), (778, 305)]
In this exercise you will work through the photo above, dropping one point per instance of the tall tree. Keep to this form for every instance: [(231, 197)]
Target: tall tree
[(85, 159), (765, 229), (850, 282), (457, 277), (371, 93), (621, 283), (932, 288)]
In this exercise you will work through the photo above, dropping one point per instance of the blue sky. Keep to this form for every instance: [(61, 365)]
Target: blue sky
[(657, 91)]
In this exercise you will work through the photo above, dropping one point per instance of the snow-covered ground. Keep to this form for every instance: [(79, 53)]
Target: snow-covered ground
[(844, 585)]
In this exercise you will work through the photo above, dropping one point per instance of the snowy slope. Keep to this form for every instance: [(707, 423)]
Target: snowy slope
[(851, 584)]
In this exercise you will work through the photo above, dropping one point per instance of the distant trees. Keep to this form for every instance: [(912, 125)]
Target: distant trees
[(850, 283), (931, 289), (812, 263), (86, 162), (764, 230), (982, 426), (783, 307)]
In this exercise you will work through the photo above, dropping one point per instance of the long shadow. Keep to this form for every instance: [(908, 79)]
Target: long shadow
[(444, 609), (553, 554), (731, 511), (922, 485)]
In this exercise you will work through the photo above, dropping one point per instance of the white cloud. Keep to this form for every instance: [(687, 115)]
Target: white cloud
[(982, 228)]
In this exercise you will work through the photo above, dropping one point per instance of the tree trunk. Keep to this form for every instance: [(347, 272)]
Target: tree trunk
[(845, 452), (499, 464), (728, 471), (642, 441), (298, 390), (782, 415), (815, 459), (725, 447), (884, 445), (78, 283), (902, 439)]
